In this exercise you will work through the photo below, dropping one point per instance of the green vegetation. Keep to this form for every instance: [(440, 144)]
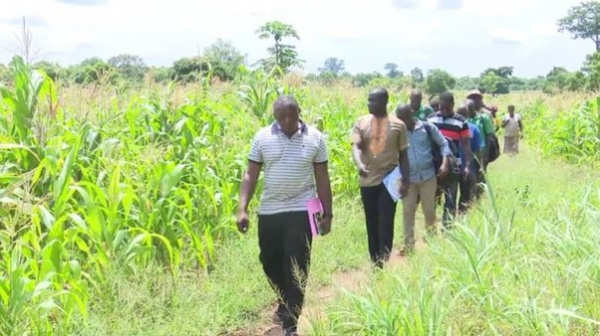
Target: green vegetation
[(119, 182), (117, 219)]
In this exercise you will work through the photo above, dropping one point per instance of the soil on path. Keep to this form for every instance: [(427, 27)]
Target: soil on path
[(316, 301)]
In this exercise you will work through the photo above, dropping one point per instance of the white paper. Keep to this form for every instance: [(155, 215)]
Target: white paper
[(392, 183)]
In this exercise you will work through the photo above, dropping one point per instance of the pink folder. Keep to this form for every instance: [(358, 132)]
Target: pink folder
[(315, 211)]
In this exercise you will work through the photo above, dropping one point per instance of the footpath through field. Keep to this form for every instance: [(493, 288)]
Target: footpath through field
[(527, 190)]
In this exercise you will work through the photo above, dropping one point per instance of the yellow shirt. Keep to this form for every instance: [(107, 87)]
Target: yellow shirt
[(381, 141)]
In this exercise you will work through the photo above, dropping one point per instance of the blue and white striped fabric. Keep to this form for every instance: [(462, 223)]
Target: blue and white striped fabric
[(288, 167)]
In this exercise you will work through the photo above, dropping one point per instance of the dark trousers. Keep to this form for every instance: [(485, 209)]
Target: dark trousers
[(478, 186), (466, 187), (380, 210), (285, 241), (450, 198)]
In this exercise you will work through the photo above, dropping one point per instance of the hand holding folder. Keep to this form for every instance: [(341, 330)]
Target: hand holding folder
[(315, 217)]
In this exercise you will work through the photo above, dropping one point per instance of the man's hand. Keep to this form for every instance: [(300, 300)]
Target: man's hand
[(242, 221), (444, 170), (467, 173), (325, 225), (403, 190), (362, 170)]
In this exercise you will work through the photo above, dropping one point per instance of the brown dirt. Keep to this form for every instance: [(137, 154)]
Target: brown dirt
[(316, 301)]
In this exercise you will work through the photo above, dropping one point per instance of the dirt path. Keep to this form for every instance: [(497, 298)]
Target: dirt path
[(317, 300)]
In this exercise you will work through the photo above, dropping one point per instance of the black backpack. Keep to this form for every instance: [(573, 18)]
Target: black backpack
[(493, 149)]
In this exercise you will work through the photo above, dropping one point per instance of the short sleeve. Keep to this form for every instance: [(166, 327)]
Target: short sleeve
[(256, 154), (465, 132), (356, 135), (321, 156), (402, 137)]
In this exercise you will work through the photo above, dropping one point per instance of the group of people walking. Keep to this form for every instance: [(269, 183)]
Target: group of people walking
[(438, 150)]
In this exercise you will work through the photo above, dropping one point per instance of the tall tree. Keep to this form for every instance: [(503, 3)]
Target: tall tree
[(333, 65), (130, 67), (282, 55), (438, 81), (591, 67), (497, 80), (583, 21), (417, 75), (392, 70), (224, 59)]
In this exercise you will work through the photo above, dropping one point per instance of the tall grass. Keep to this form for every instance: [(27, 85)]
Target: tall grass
[(514, 266), (102, 181), (573, 133)]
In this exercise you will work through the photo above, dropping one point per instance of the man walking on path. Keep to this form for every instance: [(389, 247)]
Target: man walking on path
[(483, 121), (420, 111), (468, 186), (290, 152), (513, 129), (485, 128), (456, 130), (422, 136), (379, 144)]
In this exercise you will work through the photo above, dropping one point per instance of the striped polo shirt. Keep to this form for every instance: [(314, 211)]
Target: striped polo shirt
[(288, 166), (452, 128)]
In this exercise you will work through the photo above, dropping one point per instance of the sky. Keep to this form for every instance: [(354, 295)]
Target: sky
[(463, 37)]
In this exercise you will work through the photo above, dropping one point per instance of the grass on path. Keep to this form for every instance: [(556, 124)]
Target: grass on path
[(527, 263)]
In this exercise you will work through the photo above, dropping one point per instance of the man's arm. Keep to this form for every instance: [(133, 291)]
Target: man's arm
[(465, 142), (357, 149), (439, 139), (403, 164), (249, 181), (324, 186)]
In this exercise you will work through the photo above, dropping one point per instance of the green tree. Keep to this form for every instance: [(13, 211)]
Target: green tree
[(188, 69), (438, 81), (392, 70), (591, 67), (417, 75), (333, 65), (583, 22), (130, 67), (576, 81), (490, 83), (283, 56), (160, 74), (94, 70), (558, 77), (224, 59), (51, 69), (501, 78)]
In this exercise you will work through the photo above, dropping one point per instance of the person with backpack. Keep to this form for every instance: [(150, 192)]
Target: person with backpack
[(425, 144), (455, 129), (482, 121)]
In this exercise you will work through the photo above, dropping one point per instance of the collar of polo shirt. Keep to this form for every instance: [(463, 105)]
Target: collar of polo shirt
[(276, 129)]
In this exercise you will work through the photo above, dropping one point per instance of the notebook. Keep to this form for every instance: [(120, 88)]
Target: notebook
[(392, 183), (315, 211)]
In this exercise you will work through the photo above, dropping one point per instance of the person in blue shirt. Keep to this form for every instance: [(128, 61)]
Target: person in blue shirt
[(467, 184)]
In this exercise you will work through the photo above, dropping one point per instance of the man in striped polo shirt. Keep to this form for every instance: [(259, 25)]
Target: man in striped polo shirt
[(456, 130), (291, 153)]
